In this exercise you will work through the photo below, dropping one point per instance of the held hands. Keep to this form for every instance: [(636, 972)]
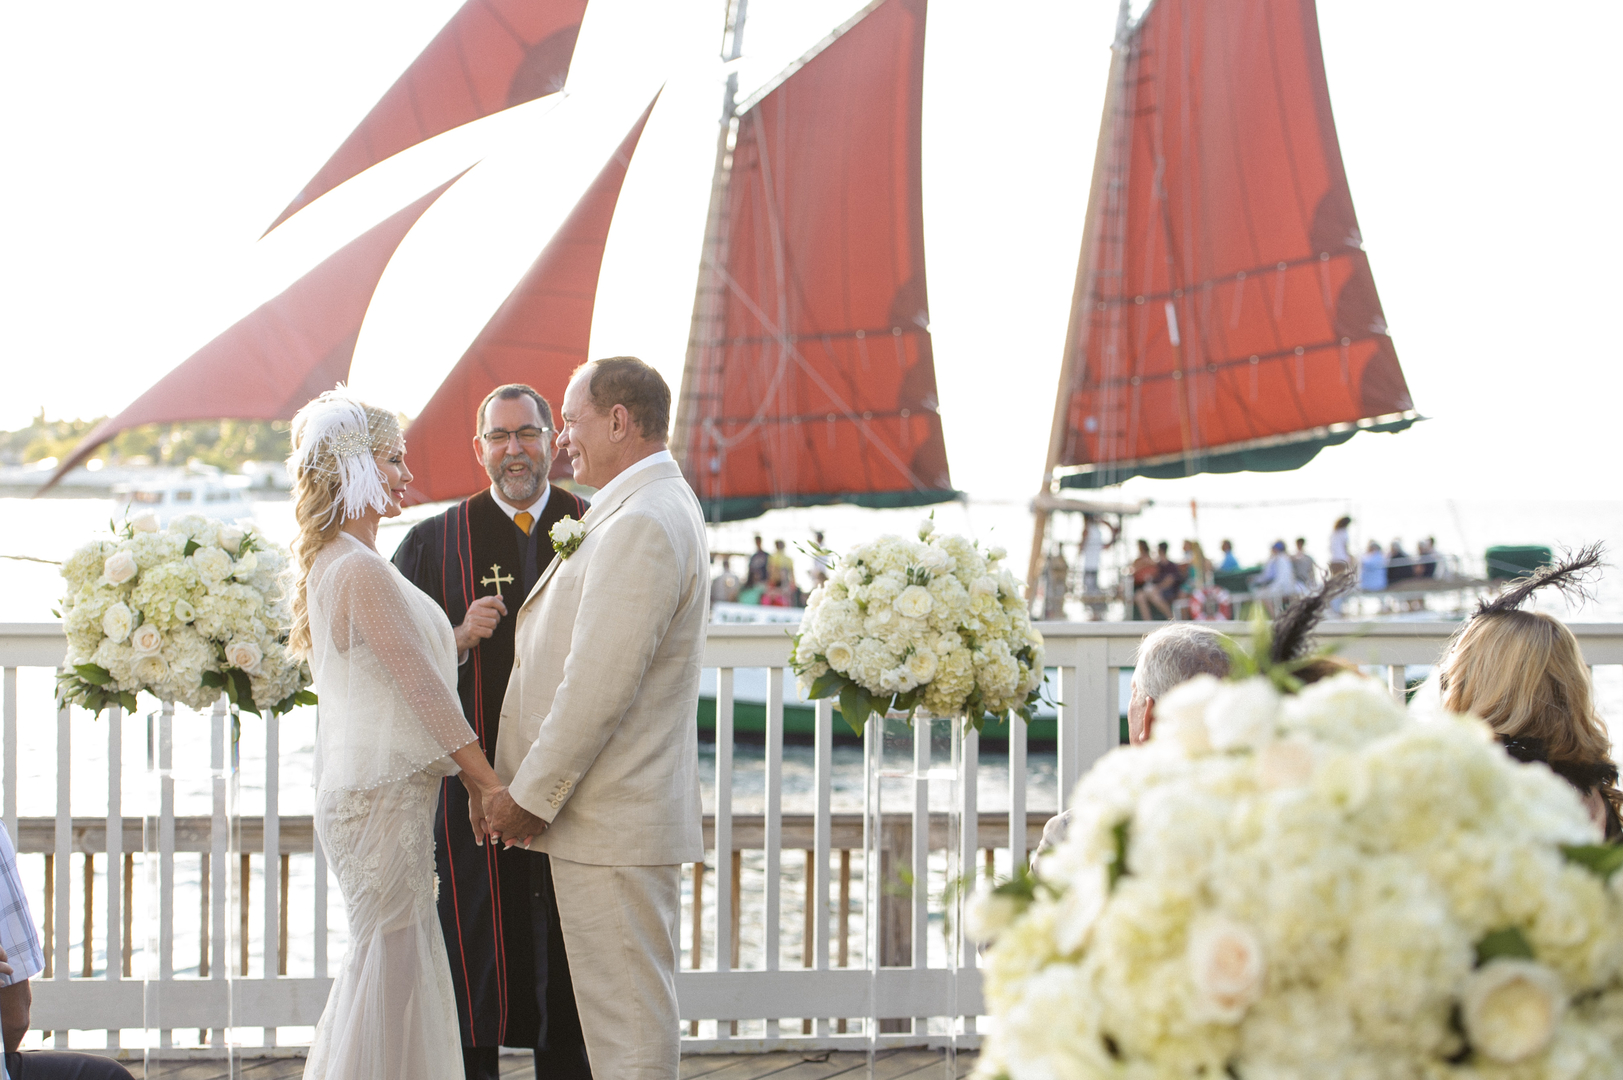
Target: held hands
[(507, 821), (483, 616)]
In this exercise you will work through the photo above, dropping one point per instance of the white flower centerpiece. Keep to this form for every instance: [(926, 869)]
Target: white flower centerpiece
[(932, 624), (1293, 884), (184, 614)]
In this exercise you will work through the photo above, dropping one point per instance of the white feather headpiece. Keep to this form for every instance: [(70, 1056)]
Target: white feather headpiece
[(331, 435)]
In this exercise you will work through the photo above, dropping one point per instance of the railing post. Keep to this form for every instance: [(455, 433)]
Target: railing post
[(772, 916), (1017, 793), (219, 719), (115, 854), (273, 852), (968, 842), (726, 867), (817, 871), (64, 849)]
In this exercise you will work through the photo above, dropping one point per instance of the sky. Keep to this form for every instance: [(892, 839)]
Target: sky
[(149, 144)]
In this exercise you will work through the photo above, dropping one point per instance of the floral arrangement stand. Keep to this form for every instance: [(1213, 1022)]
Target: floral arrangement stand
[(192, 772), (1291, 881)]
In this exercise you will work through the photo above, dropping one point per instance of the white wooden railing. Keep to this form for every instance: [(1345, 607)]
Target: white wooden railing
[(125, 967)]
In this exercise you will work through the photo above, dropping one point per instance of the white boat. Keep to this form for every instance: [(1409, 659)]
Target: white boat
[(195, 490)]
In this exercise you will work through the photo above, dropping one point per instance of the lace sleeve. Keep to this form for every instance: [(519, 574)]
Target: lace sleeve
[(386, 673)]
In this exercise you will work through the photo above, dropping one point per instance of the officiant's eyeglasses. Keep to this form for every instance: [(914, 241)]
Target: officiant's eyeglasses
[(526, 436)]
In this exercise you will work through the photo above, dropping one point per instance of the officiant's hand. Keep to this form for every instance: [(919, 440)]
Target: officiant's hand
[(511, 823), (480, 622)]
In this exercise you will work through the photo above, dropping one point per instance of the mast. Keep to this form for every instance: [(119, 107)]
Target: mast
[(1076, 333), (709, 296)]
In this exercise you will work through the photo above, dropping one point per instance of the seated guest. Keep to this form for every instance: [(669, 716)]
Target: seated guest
[(1277, 582), (781, 592), (780, 561), (1426, 558), (1228, 564), (1166, 657), (1303, 566), (1372, 569), (1523, 673), (20, 960), (1145, 594)]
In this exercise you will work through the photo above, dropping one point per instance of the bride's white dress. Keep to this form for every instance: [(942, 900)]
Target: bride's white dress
[(384, 660)]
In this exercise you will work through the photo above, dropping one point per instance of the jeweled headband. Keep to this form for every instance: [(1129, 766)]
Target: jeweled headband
[(334, 436)]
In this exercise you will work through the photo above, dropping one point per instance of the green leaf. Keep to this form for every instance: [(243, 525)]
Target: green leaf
[(126, 698), (94, 674), (827, 685), (1118, 860), (855, 706), (215, 679), (305, 697), (1506, 942), (243, 698), (191, 546), (1602, 860)]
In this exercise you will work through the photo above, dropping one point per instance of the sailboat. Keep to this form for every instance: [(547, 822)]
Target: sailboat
[(1224, 315)]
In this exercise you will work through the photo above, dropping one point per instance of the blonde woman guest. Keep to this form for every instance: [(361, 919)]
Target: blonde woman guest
[(384, 658), (1523, 673)]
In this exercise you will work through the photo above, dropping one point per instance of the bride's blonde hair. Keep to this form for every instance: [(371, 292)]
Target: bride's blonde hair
[(319, 496)]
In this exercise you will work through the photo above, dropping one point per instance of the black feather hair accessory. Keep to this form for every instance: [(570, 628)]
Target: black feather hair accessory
[(1292, 636), (1571, 577)]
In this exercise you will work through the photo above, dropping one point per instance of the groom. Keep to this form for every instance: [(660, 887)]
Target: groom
[(598, 743)]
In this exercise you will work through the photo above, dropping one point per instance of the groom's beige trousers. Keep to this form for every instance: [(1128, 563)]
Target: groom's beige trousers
[(620, 925)]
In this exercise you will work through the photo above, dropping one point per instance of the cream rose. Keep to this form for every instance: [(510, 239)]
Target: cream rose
[(245, 655), (146, 640), (119, 568), (116, 622), (921, 665), (1511, 1008), (839, 656), (1285, 764), (1242, 715), (231, 538), (150, 669), (914, 602), (1226, 966), (145, 523), (245, 566)]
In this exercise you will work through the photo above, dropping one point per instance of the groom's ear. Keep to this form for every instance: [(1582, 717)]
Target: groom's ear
[(619, 423)]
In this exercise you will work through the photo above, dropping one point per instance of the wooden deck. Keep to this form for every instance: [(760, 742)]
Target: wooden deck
[(895, 1065)]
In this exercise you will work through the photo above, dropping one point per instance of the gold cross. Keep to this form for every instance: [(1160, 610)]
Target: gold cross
[(496, 578)]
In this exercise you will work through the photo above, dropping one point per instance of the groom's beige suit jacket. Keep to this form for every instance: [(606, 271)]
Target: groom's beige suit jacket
[(598, 736)]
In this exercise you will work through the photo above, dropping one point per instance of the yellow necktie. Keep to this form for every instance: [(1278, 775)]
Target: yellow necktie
[(523, 519)]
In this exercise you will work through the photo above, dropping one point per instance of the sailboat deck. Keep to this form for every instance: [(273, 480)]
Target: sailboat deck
[(821, 1065)]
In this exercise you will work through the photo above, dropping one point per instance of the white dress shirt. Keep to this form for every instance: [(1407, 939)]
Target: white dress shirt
[(608, 489)]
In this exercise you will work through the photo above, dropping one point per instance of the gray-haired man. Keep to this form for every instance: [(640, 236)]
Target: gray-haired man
[(1171, 655)]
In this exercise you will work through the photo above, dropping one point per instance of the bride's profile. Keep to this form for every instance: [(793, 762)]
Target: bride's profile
[(389, 727)]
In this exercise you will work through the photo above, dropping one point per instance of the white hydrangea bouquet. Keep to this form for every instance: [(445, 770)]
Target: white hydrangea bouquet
[(183, 613), (931, 624), (1310, 885)]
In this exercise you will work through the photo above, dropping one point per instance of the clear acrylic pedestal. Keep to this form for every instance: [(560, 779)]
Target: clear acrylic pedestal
[(191, 840), (913, 849)]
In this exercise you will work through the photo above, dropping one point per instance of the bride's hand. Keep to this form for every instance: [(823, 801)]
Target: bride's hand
[(476, 814)]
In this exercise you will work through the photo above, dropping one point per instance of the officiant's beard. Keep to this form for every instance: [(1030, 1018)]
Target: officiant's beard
[(518, 488)]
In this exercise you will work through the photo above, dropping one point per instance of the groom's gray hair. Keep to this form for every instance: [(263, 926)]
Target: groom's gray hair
[(1177, 653)]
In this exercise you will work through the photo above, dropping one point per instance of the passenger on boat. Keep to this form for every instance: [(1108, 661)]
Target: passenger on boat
[(1277, 583), (725, 585), (1093, 549), (1145, 595), (1303, 566), (1426, 558), (1399, 567), (1228, 564), (1340, 549), (1372, 570), (756, 575)]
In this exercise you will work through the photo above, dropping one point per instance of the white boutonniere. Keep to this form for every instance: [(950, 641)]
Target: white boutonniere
[(566, 536)]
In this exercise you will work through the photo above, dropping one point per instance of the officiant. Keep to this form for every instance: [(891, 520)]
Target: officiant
[(478, 561)]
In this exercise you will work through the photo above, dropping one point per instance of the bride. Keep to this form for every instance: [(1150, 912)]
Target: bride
[(390, 726)]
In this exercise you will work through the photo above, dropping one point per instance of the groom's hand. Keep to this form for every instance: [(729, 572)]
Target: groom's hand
[(509, 822), (480, 622)]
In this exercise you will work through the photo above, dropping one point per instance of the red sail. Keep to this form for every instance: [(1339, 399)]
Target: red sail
[(286, 352), (538, 336), (1226, 317), (810, 378), (492, 55)]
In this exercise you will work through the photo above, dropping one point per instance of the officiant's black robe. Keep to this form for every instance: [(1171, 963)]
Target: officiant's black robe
[(496, 905)]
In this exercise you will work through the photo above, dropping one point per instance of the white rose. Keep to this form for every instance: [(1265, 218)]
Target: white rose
[(839, 656), (246, 566), (244, 655), (146, 640), (921, 665), (985, 585), (1181, 714), (119, 568), (926, 527), (1226, 965), (914, 602), (1079, 908), (231, 538), (116, 621), (213, 565), (145, 523), (1242, 715), (150, 669), (987, 915), (994, 554), (1285, 764), (1511, 1008)]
